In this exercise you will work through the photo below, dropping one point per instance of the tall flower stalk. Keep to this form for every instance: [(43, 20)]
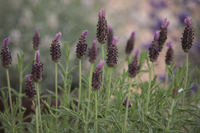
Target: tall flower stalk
[(111, 62), (55, 56), (6, 63), (80, 52), (102, 35), (93, 51), (37, 69), (31, 93), (130, 45), (187, 42), (132, 70), (153, 55), (169, 58), (163, 34), (96, 85)]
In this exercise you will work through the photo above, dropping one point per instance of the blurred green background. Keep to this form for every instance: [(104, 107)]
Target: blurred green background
[(19, 18)]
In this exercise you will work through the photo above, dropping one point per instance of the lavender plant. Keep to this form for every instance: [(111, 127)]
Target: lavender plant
[(153, 108)]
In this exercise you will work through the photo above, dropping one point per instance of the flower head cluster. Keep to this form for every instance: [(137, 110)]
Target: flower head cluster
[(37, 69), (133, 68), (130, 43), (93, 52), (188, 36), (154, 48), (102, 28), (163, 34), (55, 48), (170, 54), (112, 53), (110, 36), (81, 45), (126, 102), (30, 89), (6, 58), (36, 40), (97, 76)]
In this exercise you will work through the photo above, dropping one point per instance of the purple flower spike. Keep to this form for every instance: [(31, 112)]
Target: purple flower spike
[(85, 33), (115, 40), (188, 21), (94, 42), (166, 23), (133, 34), (156, 36), (137, 52), (102, 13), (110, 28), (38, 56), (27, 78), (6, 41), (169, 44), (100, 65), (58, 35), (36, 30)]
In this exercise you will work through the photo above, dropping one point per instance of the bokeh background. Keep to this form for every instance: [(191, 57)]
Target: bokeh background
[(19, 18)]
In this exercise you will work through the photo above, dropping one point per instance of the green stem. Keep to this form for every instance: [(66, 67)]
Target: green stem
[(56, 90), (186, 77), (127, 103), (96, 127), (102, 51), (149, 87), (39, 109), (108, 93), (36, 117), (10, 98), (166, 80), (9, 91), (170, 118), (88, 107), (79, 94)]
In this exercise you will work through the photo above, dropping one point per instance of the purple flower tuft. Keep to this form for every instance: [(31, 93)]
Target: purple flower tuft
[(6, 41), (102, 13), (110, 28), (169, 44), (115, 40), (100, 65), (94, 42), (133, 34), (188, 21), (156, 36), (38, 56), (166, 23), (58, 35), (27, 78), (36, 30), (137, 52), (85, 33)]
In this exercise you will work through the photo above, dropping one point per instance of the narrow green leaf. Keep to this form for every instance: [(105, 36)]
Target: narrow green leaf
[(73, 113), (61, 66), (27, 66), (76, 67), (152, 120)]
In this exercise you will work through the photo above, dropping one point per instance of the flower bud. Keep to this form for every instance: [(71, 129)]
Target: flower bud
[(55, 48), (188, 36), (6, 58), (102, 28), (81, 45), (36, 40), (37, 69), (30, 89)]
